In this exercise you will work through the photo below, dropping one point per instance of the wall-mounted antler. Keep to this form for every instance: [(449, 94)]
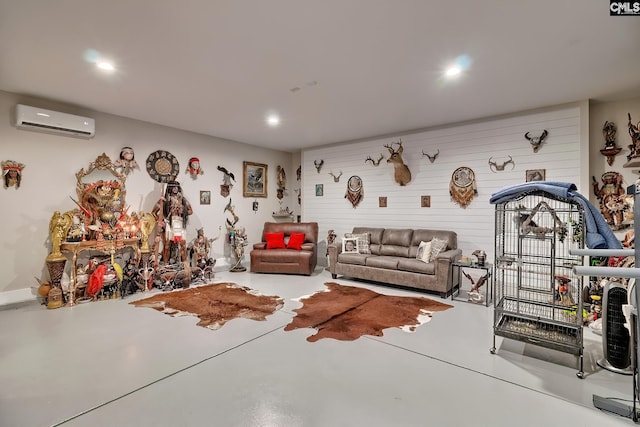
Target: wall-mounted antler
[(499, 168), (536, 141), (374, 162), (336, 178), (432, 158), (318, 164)]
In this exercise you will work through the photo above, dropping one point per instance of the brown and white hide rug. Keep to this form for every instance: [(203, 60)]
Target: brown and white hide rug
[(214, 304), (346, 313)]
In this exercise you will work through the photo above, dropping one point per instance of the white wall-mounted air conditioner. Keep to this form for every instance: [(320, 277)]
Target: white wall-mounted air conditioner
[(39, 119)]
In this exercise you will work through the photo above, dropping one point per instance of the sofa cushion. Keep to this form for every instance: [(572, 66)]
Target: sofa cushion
[(396, 242), (363, 241), (388, 262), (295, 241), (416, 266), (274, 240)]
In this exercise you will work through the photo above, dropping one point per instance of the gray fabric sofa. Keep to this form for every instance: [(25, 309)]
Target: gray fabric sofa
[(393, 259)]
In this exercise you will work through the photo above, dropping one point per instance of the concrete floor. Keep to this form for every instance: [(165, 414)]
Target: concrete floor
[(108, 363)]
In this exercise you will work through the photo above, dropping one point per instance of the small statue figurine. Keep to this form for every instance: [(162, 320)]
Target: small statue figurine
[(610, 150), (58, 228), (199, 249), (172, 212)]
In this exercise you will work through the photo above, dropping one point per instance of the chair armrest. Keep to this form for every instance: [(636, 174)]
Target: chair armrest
[(308, 247), (451, 254), (261, 245)]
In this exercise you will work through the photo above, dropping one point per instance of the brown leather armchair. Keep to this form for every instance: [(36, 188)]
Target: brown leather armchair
[(287, 261)]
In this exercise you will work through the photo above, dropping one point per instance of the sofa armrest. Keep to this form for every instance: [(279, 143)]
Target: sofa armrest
[(333, 250), (260, 245), (309, 247), (452, 254)]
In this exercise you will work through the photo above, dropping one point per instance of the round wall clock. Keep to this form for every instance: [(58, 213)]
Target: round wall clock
[(162, 166)]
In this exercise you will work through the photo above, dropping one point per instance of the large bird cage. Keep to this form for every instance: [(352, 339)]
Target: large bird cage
[(538, 295)]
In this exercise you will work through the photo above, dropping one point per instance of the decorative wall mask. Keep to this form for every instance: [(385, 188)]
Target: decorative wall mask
[(615, 205), (634, 133), (162, 166), (355, 192), (11, 173), (281, 181), (126, 162), (536, 141), (432, 158), (194, 169), (402, 174), (336, 178), (499, 168), (374, 162), (610, 150), (462, 187), (226, 185), (318, 164)]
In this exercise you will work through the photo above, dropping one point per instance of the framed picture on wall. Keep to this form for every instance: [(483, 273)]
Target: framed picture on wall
[(535, 175), (205, 197), (254, 179), (319, 190)]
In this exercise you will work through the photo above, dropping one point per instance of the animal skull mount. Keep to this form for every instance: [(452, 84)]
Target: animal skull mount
[(336, 178), (536, 141), (374, 162), (432, 158), (318, 164), (402, 174), (499, 168)]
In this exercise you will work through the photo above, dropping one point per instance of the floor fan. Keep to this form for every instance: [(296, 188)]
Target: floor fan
[(616, 340)]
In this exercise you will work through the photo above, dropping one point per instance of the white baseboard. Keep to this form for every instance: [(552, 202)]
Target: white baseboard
[(16, 296)]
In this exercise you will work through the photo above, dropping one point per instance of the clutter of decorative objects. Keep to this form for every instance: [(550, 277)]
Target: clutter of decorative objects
[(616, 206)]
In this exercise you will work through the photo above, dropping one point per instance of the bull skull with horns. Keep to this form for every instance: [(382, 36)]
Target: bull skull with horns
[(536, 141)]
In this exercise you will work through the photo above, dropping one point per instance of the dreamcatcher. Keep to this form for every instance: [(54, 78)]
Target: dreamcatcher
[(355, 191), (462, 187)]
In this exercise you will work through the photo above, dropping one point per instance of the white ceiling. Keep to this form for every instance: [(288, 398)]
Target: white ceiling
[(218, 67)]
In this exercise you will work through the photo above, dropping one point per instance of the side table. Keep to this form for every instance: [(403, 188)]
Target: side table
[(463, 293)]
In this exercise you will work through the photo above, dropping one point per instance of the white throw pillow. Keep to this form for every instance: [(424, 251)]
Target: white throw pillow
[(424, 252)]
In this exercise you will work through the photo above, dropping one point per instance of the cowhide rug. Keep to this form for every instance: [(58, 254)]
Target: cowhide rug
[(346, 313), (214, 304)]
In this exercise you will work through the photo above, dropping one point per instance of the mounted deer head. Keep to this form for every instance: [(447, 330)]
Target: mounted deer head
[(374, 162), (431, 158), (402, 174), (318, 164), (536, 141), (336, 178), (499, 168)]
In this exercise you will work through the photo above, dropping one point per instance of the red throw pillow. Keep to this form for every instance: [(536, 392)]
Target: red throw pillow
[(295, 241), (274, 240)]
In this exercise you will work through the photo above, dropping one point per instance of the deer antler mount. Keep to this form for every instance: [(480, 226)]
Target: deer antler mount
[(318, 164), (536, 141), (374, 162), (499, 168), (432, 158), (336, 178)]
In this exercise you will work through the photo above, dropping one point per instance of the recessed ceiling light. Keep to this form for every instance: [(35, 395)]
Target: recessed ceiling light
[(453, 71), (105, 66), (273, 120)]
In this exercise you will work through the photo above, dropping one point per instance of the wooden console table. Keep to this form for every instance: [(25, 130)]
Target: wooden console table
[(109, 247)]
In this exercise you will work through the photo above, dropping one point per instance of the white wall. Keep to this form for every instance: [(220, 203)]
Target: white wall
[(49, 179), (564, 155)]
